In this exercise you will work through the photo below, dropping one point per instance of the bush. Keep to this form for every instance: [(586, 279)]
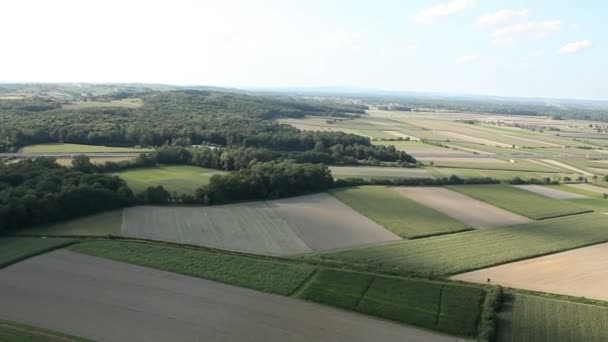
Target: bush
[(489, 314)]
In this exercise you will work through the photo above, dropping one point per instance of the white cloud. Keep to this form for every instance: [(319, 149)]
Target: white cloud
[(530, 29), (499, 17), (467, 59), (574, 47), (432, 14)]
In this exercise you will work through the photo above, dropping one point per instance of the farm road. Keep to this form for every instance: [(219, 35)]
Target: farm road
[(112, 301)]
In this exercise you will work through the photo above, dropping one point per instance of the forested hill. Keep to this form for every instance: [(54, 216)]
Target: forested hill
[(181, 117)]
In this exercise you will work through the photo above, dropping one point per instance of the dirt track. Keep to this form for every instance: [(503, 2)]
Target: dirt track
[(581, 272), (463, 208), (111, 301)]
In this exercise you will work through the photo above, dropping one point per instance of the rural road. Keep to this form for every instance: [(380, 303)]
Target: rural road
[(111, 301)]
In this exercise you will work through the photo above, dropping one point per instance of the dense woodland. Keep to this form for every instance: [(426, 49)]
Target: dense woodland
[(40, 191)]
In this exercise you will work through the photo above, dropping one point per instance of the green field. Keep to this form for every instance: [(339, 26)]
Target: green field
[(181, 179), (498, 174), (108, 223), (399, 214), (13, 250), (456, 253), (539, 319), (442, 307), (520, 201), (78, 148), (16, 332), (496, 164), (255, 273)]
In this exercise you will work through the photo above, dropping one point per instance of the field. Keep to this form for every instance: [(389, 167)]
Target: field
[(537, 319), (15, 332), (279, 227), (581, 273), (400, 215), (590, 188), (462, 252), (255, 273), (108, 223), (106, 300), (460, 207), (181, 179), (448, 308), (78, 148), (95, 160), (520, 201), (369, 172), (552, 192), (129, 103), (13, 250), (504, 175)]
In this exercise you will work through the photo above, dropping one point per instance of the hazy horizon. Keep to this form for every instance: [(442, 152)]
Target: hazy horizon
[(456, 47)]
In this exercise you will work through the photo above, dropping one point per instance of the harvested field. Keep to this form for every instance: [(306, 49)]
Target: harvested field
[(467, 251), (520, 201), (479, 160), (477, 140), (566, 166), (460, 207), (111, 301), (280, 227), (377, 172), (402, 216), (549, 192), (324, 223), (589, 187), (78, 148), (581, 272), (539, 319)]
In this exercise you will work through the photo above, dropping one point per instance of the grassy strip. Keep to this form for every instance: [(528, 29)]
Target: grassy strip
[(256, 273), (17, 332), (13, 250), (489, 315), (456, 253), (438, 306), (401, 215), (520, 201)]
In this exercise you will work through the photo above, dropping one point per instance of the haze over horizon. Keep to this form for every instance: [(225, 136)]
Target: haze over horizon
[(546, 49)]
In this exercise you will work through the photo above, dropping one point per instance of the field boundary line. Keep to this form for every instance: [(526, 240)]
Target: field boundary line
[(364, 293), (439, 302), (304, 284), (39, 252)]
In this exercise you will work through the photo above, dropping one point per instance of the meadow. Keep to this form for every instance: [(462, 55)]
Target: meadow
[(175, 178), (401, 215), (79, 148), (467, 251), (256, 273), (534, 319), (444, 307), (13, 250), (520, 201)]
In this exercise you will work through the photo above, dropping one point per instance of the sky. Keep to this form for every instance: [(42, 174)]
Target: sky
[(541, 48)]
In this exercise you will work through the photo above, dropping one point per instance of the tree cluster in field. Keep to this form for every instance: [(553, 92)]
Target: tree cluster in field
[(39, 191)]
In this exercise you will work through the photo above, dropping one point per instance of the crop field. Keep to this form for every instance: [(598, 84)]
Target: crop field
[(460, 207), (520, 201), (78, 148), (16, 332), (443, 307), (537, 319), (581, 272), (106, 300), (280, 227), (589, 187), (180, 178), (104, 224), (369, 172), (16, 249), (421, 149), (552, 192), (128, 103), (255, 273), (467, 251), (399, 214), (498, 174), (495, 164)]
